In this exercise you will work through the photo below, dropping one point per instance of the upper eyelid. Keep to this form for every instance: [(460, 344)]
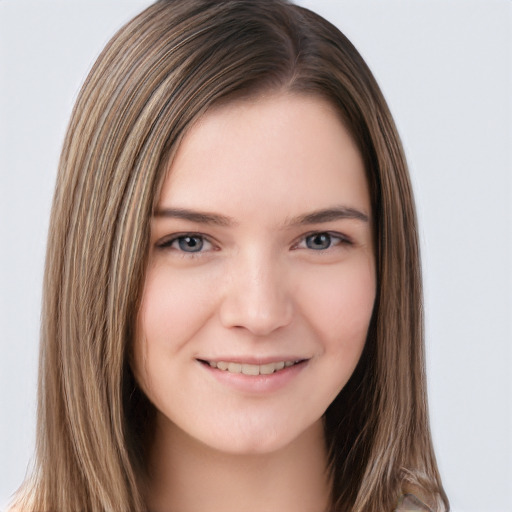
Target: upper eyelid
[(169, 239), (333, 234)]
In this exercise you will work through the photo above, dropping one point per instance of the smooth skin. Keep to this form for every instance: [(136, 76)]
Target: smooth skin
[(261, 252)]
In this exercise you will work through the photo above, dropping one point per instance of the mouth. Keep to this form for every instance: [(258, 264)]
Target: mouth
[(252, 369)]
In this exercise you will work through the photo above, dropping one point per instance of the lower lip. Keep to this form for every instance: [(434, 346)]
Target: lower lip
[(256, 384)]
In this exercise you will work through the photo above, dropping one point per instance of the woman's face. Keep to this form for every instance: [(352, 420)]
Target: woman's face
[(261, 276)]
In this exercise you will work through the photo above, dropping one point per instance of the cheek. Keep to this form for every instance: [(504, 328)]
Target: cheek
[(339, 305), (173, 308)]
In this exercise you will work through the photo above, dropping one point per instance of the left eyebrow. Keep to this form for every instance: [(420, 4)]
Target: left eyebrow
[(328, 215)]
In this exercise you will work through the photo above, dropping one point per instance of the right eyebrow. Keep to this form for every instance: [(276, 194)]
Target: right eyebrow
[(199, 217)]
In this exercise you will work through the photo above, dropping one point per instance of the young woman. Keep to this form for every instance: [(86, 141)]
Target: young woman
[(232, 306)]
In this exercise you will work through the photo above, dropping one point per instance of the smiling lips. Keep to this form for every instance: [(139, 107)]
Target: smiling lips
[(252, 369)]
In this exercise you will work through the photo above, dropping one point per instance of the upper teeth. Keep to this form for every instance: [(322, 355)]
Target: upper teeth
[(251, 369)]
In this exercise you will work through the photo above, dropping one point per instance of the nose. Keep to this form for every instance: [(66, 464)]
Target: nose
[(256, 296)]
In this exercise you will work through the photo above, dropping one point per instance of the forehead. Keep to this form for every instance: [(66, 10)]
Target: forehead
[(283, 151)]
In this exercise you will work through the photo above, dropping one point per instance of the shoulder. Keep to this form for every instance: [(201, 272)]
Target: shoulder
[(19, 505), (411, 503), (16, 507)]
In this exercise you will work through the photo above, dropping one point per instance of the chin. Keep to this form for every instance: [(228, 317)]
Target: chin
[(263, 440), (256, 444)]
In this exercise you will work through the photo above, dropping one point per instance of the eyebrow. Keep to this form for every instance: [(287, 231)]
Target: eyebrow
[(315, 217), (194, 216), (328, 215)]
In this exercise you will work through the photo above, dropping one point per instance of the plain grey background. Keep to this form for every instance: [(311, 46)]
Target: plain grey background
[(445, 68)]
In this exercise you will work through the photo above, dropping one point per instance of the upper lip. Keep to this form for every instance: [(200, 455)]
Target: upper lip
[(252, 359)]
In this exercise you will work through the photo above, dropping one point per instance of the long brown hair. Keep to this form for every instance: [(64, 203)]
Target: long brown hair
[(153, 80)]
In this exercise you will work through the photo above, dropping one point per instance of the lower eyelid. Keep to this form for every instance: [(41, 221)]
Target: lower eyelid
[(336, 239), (168, 243)]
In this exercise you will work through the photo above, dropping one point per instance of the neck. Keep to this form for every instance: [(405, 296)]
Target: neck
[(187, 476)]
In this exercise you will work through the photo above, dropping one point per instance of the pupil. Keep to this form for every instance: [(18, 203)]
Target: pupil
[(319, 241), (190, 243)]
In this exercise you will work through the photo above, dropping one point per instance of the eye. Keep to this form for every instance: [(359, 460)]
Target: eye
[(319, 241), (188, 243), (322, 241)]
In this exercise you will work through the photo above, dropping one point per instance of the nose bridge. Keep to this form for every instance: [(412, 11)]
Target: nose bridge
[(256, 295)]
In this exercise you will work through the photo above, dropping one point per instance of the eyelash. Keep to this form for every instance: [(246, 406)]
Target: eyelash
[(332, 237), (342, 240), (169, 242)]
